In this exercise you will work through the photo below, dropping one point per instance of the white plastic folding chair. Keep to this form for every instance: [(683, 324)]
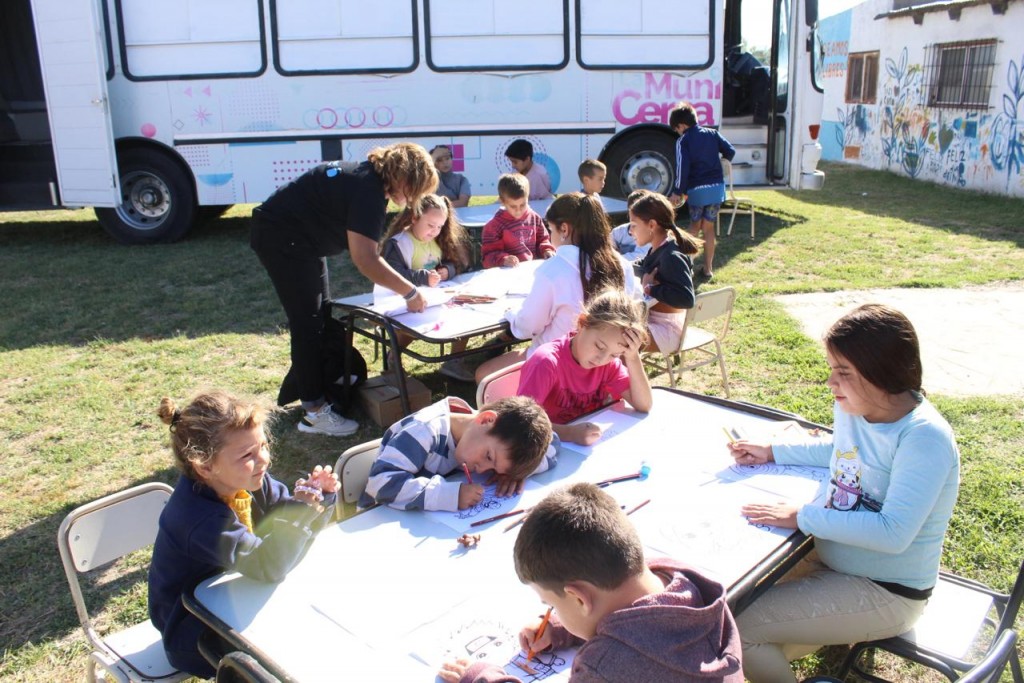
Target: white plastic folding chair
[(499, 384), (94, 535), (353, 469), (705, 342), (733, 204)]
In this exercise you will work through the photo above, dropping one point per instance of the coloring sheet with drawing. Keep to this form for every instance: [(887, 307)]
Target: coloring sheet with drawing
[(491, 506), (486, 630), (794, 482)]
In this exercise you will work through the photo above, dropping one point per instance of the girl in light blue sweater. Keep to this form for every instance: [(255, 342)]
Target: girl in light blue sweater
[(895, 471)]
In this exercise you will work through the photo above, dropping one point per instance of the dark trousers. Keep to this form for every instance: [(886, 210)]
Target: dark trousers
[(302, 286)]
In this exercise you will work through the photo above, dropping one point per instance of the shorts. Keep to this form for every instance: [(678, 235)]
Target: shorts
[(666, 329), (708, 213)]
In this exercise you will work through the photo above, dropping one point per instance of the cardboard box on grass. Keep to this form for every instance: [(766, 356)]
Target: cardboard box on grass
[(382, 402)]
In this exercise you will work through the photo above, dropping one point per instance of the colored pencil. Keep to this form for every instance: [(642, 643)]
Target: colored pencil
[(503, 515), (613, 480), (465, 468), (540, 632), (729, 436), (639, 506), (514, 524)]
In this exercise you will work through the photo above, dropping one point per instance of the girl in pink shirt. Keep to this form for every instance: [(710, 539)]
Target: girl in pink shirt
[(596, 365)]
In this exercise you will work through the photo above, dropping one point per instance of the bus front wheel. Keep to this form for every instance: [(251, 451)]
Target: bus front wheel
[(158, 201), (642, 161)]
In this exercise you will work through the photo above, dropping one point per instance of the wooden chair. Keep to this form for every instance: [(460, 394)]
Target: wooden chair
[(499, 384), (94, 535), (950, 628), (707, 344), (733, 204)]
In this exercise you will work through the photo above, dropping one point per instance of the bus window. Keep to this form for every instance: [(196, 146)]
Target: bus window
[(469, 35), (644, 34), (191, 38), (782, 67), (339, 36)]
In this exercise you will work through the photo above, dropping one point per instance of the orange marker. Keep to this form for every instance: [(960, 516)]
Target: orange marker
[(540, 632)]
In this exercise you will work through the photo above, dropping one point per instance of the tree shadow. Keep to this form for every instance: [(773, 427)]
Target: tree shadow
[(884, 194), (66, 282)]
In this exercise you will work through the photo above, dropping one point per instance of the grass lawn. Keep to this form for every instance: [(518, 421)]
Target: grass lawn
[(93, 334)]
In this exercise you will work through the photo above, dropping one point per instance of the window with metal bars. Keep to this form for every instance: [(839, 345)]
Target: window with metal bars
[(862, 77), (959, 75)]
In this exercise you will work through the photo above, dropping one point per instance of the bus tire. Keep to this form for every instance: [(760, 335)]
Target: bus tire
[(641, 161), (158, 200)]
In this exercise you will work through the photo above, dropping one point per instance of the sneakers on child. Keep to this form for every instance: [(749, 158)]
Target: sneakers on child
[(456, 369), (326, 421)]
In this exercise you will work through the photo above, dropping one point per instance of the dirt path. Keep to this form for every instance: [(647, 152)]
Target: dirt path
[(972, 339)]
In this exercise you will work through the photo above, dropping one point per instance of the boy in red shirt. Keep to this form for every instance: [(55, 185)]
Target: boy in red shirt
[(516, 233)]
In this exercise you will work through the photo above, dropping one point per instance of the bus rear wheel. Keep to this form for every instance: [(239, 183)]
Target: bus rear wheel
[(642, 161), (158, 201)]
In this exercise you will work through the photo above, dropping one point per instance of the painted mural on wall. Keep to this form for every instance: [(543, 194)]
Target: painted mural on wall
[(956, 147)]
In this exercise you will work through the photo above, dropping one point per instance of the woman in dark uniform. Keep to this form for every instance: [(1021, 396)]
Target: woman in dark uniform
[(335, 206)]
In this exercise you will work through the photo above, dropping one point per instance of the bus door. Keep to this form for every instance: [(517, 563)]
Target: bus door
[(70, 38), (779, 109)]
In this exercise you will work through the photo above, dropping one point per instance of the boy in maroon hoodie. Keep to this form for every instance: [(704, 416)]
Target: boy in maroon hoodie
[(657, 621)]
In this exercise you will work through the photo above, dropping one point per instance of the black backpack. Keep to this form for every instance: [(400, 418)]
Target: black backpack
[(335, 342)]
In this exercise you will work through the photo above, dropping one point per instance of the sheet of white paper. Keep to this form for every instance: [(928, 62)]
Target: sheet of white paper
[(491, 506), (612, 423), (386, 302), (704, 528)]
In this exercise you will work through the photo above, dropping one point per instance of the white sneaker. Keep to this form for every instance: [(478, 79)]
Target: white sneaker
[(456, 369), (326, 421)]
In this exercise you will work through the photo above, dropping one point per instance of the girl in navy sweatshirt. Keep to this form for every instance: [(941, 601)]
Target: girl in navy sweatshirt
[(226, 512)]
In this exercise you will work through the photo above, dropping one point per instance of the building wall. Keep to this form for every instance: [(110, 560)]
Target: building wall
[(976, 149)]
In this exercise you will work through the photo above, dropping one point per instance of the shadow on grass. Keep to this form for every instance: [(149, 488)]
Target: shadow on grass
[(965, 212), (68, 283), (36, 603), (767, 223)]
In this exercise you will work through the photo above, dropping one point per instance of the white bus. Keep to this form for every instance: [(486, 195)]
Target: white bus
[(161, 112)]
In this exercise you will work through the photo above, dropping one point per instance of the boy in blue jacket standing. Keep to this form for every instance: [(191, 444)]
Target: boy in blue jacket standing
[(699, 176)]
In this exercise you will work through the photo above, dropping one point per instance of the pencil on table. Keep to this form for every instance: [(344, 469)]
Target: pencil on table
[(638, 506), (625, 477), (514, 524), (540, 632), (503, 515)]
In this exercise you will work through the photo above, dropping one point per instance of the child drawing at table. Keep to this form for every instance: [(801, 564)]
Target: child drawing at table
[(596, 365), (510, 438), (226, 513), (584, 263), (667, 271), (517, 232), (633, 620), (427, 245), (878, 537)]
